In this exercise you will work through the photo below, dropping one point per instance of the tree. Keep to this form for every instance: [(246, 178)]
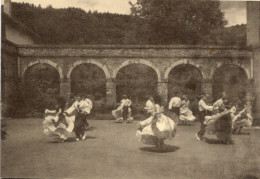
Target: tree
[(175, 21)]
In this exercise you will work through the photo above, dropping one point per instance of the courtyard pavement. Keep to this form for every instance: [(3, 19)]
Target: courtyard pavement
[(111, 150)]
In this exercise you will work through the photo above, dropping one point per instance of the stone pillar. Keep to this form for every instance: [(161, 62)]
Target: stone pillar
[(65, 88), (249, 92), (206, 87), (111, 92), (253, 41), (256, 84), (253, 23), (163, 90)]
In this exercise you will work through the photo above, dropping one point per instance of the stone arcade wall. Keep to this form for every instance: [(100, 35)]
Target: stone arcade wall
[(253, 41), (112, 58), (9, 74)]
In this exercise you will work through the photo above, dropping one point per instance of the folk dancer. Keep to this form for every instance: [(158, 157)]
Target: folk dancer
[(174, 106), (219, 124), (82, 107), (185, 113), (241, 120), (203, 109), (158, 127), (56, 123), (219, 102), (123, 112)]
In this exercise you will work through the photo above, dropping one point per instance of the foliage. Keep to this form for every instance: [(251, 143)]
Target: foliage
[(41, 87), (136, 81), (151, 22), (230, 36), (182, 22), (185, 79), (88, 79), (231, 79)]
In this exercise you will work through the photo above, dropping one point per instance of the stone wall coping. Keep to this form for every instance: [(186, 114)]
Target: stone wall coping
[(5, 41), (133, 47)]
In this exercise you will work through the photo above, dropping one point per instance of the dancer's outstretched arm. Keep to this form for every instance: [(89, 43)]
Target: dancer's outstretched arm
[(219, 115)]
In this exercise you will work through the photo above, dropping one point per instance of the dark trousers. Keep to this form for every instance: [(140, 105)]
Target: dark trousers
[(125, 113), (201, 116), (176, 110), (81, 124)]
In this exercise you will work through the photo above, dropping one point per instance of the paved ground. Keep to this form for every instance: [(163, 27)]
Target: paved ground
[(112, 151)]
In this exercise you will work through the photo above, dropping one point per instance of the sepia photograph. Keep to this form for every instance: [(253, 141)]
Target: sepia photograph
[(130, 89)]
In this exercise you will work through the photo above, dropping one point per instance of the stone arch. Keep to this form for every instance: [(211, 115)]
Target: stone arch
[(219, 65), (180, 62), (232, 78), (100, 65), (51, 63), (144, 62)]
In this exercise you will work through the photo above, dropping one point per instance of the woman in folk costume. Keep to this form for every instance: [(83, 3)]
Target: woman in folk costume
[(123, 112), (56, 123), (174, 106), (242, 119), (219, 103), (185, 113), (157, 128), (220, 124)]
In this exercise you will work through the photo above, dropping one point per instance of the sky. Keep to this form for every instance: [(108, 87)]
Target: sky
[(235, 12)]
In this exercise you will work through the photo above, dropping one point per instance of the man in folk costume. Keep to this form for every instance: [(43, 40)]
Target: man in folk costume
[(71, 110), (203, 109), (125, 107), (85, 107), (175, 104)]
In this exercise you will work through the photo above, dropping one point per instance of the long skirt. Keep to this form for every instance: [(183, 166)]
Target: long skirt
[(118, 115), (224, 128), (186, 115), (242, 123), (156, 129), (62, 130)]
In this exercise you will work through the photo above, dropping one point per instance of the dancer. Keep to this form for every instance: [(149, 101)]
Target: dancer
[(84, 113), (242, 119), (123, 112), (156, 128), (222, 124), (203, 109), (175, 104), (82, 107), (219, 102), (186, 115), (55, 123)]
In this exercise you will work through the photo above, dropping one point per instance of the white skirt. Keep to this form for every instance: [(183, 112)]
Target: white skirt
[(118, 116), (164, 124), (186, 115), (61, 130)]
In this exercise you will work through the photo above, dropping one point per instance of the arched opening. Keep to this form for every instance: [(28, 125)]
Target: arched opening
[(138, 81), (41, 86), (233, 80), (89, 79), (185, 79)]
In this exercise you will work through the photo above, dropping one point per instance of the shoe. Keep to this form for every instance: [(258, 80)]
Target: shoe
[(84, 136), (197, 137), (77, 139)]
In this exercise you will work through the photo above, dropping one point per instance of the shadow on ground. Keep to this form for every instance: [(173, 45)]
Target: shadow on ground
[(243, 133), (164, 149), (72, 139)]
